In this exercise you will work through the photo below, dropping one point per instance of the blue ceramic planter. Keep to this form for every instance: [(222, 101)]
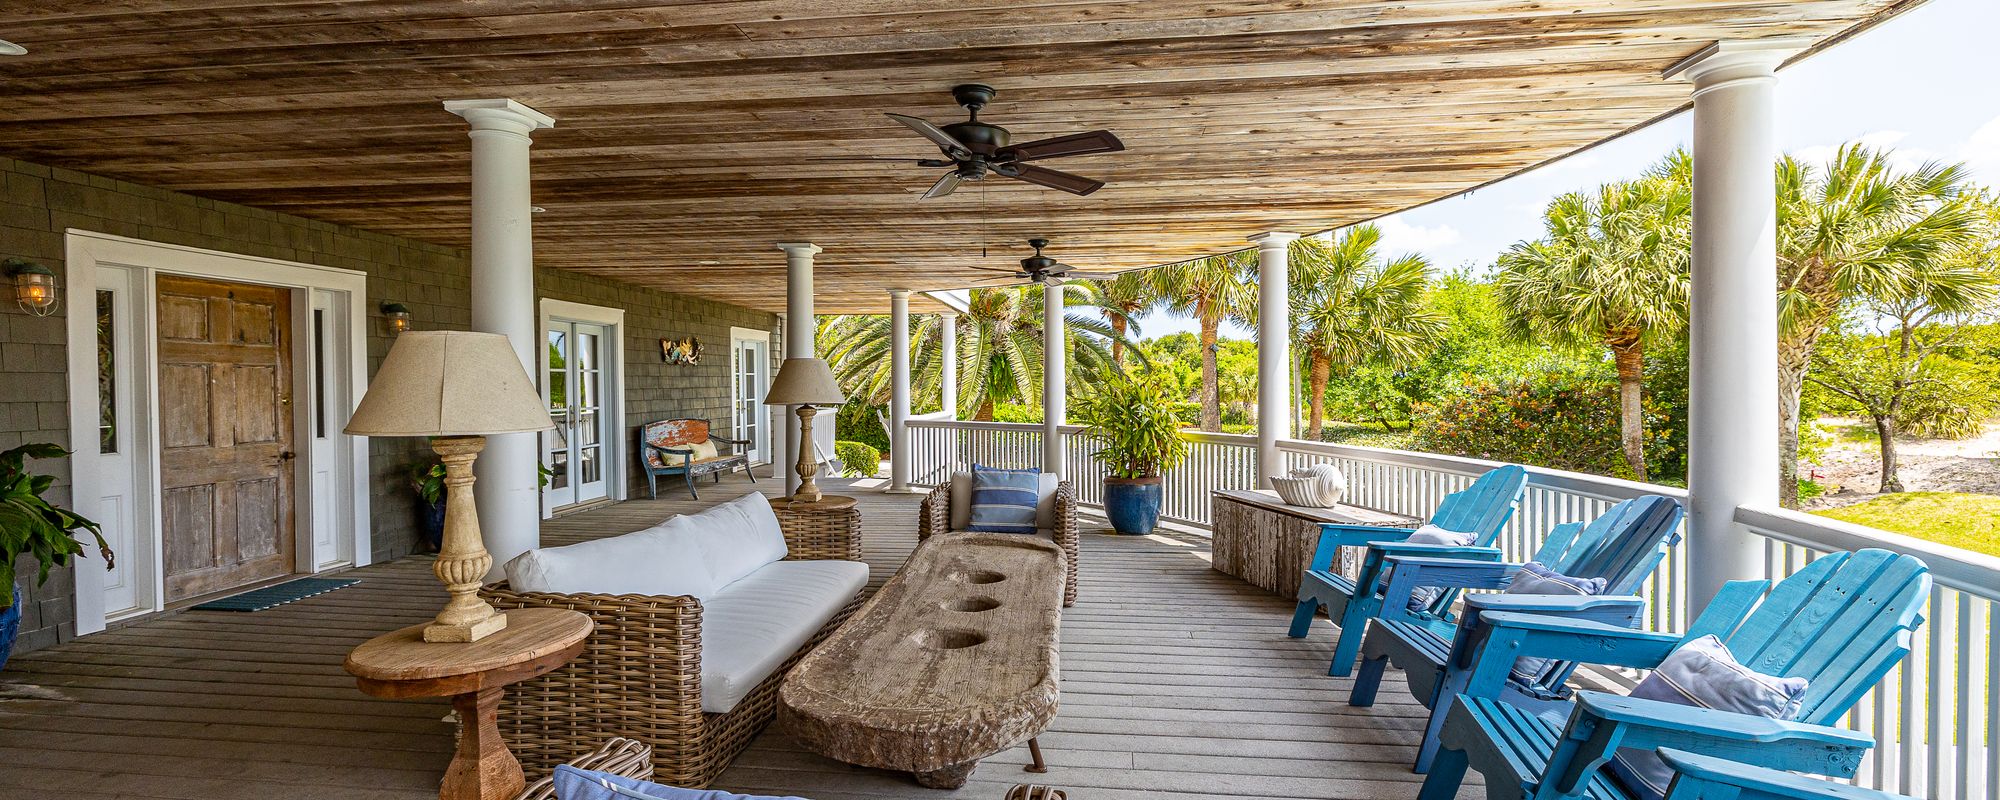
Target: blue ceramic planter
[(1133, 504), (10, 626)]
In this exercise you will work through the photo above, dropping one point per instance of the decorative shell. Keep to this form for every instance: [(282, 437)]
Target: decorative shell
[(1317, 486)]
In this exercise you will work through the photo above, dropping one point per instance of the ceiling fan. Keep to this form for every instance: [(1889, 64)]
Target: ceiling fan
[(973, 149), (1038, 268)]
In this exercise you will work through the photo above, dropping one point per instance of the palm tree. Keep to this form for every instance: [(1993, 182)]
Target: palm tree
[(1613, 269), (1858, 228), (1123, 298), (1349, 308), (1211, 290), (1000, 350)]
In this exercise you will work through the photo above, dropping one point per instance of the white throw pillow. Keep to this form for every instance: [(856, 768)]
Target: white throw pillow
[(703, 450), (1429, 534), (655, 561), (1535, 579), (737, 537), (1703, 673)]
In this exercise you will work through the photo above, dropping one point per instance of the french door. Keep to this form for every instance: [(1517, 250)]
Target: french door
[(750, 358), (575, 391)]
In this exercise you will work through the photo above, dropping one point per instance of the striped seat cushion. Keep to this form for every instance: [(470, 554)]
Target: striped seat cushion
[(1003, 500)]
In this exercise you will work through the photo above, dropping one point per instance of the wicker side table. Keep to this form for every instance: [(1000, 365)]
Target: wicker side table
[(832, 522)]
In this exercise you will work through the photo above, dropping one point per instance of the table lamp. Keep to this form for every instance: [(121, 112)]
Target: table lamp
[(454, 387), (805, 382)]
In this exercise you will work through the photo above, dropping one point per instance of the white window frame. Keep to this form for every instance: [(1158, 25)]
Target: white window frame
[(764, 371), (618, 445)]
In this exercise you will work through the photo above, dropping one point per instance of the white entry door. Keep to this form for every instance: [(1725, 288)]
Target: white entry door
[(575, 390), (750, 365)]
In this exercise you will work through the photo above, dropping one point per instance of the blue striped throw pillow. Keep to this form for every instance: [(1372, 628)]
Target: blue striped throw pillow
[(1003, 500)]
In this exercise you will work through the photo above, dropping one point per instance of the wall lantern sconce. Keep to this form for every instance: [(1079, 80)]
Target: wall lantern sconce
[(34, 286), (398, 316)]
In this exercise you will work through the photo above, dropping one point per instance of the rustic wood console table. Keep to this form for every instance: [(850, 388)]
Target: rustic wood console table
[(1259, 538)]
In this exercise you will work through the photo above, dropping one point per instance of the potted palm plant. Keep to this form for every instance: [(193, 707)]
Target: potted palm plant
[(31, 524), (1139, 436)]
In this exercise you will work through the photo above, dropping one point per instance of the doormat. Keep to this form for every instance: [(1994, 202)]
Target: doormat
[(274, 596)]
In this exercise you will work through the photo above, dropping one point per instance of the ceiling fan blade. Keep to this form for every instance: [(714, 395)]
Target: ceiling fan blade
[(1054, 179), (1075, 144), (997, 269), (944, 186), (944, 141)]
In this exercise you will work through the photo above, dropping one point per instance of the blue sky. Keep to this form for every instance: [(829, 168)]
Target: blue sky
[(1926, 83)]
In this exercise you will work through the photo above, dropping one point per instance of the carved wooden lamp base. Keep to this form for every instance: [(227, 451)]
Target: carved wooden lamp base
[(808, 466), (462, 560)]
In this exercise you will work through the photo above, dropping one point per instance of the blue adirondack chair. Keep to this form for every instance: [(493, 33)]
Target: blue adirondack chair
[(1623, 546), (1841, 623), (1482, 508), (1698, 777)]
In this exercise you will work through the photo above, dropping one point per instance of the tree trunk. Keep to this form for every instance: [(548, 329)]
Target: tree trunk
[(1316, 394), (1628, 351), (1793, 357), (985, 413), (1118, 340), (1211, 392), (1892, 478)]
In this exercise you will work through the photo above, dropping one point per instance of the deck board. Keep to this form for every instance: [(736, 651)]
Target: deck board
[(1178, 682)]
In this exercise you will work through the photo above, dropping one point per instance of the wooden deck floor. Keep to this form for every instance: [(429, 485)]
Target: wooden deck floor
[(1178, 682)]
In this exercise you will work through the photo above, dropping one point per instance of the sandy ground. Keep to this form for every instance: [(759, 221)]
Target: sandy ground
[(1852, 471)]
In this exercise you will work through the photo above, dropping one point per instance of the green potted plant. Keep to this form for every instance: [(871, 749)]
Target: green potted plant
[(427, 479), (1139, 434), (30, 524)]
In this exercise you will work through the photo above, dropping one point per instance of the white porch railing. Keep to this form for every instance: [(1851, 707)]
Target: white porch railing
[(1937, 716)]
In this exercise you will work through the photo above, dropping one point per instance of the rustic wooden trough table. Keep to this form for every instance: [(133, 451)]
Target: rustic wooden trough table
[(952, 661), (1261, 539)]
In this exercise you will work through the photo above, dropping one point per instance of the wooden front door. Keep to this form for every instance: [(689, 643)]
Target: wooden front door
[(225, 434)]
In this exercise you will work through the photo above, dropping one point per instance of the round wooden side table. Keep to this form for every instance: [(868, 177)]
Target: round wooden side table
[(474, 675)]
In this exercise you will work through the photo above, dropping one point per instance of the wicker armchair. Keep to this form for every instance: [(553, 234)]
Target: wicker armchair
[(934, 517), (639, 675)]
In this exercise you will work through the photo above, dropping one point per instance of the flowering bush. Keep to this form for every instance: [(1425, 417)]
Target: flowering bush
[(1557, 420)]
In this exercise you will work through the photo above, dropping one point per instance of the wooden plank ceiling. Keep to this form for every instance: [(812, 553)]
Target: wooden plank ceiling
[(692, 135)]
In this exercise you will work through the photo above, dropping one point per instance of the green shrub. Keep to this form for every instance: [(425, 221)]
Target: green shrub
[(856, 422), (857, 459), (1561, 421)]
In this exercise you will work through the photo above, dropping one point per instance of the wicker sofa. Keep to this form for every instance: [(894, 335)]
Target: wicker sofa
[(939, 512), (640, 674)]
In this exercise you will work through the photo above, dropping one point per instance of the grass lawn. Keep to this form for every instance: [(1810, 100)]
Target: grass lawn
[(1968, 521)]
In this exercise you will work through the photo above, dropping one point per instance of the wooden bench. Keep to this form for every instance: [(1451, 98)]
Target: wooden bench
[(667, 448)]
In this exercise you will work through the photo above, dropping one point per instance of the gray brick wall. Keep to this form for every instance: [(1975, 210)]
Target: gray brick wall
[(37, 203)]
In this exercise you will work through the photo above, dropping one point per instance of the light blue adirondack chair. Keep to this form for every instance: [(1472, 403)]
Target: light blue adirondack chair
[(1623, 546), (1482, 508), (1698, 777), (1841, 623)]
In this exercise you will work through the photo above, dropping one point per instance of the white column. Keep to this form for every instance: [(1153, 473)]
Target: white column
[(1054, 401), (1733, 339), (784, 449), (801, 330), (508, 487), (948, 372), (899, 390), (1274, 351)]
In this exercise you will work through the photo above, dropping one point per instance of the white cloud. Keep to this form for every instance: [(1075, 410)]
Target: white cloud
[(1981, 152), (1399, 237), (1902, 158)]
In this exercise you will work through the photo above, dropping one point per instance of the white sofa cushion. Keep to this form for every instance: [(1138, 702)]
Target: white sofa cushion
[(961, 501), (751, 626), (661, 560), (737, 537)]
